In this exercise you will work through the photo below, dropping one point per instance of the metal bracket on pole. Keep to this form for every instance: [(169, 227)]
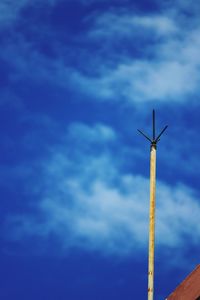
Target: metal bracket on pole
[(154, 140)]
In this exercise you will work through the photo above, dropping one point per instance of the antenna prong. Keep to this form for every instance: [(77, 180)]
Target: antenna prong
[(158, 137), (154, 128), (154, 139), (145, 135)]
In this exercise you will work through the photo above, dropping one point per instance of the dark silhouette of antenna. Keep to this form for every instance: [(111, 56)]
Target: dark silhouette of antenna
[(153, 142), (154, 139)]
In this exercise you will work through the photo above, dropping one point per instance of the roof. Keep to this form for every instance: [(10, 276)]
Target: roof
[(189, 289)]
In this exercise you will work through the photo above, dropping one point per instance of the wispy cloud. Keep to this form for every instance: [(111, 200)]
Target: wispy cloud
[(143, 81), (157, 74), (86, 200), (88, 203), (166, 76), (127, 24)]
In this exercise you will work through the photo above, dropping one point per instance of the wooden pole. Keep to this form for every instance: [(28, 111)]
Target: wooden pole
[(154, 140), (152, 222)]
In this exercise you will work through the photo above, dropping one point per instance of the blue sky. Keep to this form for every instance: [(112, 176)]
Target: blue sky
[(77, 79)]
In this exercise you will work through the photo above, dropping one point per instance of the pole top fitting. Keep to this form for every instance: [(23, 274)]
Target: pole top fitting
[(154, 140)]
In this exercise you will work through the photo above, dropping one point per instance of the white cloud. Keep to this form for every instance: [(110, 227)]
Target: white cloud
[(89, 203), (90, 134), (166, 76), (172, 73), (115, 25), (160, 24), (142, 81)]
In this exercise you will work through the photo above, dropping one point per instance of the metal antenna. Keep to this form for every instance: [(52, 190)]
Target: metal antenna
[(154, 130), (153, 142)]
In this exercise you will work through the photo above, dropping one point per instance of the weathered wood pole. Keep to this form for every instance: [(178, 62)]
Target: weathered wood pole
[(152, 221), (154, 140)]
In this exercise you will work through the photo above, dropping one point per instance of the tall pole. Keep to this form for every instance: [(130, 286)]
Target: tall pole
[(152, 221), (152, 206)]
